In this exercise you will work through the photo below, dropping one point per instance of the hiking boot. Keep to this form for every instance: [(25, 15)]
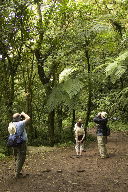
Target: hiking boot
[(20, 175), (104, 157), (77, 156)]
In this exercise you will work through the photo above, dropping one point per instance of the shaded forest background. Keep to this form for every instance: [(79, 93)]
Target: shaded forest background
[(61, 60)]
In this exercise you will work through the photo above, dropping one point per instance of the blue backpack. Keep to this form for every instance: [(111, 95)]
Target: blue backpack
[(14, 139)]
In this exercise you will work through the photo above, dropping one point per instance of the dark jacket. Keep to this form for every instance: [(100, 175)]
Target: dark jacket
[(101, 125)]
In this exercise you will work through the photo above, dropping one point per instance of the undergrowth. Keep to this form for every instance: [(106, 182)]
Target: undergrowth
[(118, 126)]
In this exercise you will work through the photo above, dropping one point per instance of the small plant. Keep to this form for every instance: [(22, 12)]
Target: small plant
[(2, 155)]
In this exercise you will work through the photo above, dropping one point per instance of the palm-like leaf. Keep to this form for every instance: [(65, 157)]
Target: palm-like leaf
[(116, 69), (63, 93)]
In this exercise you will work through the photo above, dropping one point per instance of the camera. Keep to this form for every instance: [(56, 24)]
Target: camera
[(22, 117)]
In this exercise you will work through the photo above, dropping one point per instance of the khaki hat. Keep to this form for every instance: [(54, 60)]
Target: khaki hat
[(103, 114), (80, 120)]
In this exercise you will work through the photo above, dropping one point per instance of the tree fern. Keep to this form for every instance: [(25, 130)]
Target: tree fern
[(72, 87), (116, 69), (64, 93)]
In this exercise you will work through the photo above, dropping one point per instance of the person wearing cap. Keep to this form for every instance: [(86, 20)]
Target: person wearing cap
[(79, 137), (20, 121), (79, 123), (101, 121)]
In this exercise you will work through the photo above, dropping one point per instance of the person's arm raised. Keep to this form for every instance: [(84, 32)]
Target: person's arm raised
[(27, 118), (99, 120)]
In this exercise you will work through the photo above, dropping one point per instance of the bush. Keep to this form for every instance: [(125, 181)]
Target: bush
[(118, 126), (2, 152), (68, 144)]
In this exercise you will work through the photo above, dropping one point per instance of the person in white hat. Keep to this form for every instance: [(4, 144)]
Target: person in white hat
[(79, 137), (101, 121)]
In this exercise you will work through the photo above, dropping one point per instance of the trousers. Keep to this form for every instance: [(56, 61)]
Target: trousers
[(20, 156), (102, 141), (79, 147)]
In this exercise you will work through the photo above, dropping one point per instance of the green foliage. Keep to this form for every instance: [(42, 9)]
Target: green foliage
[(121, 104), (118, 126), (40, 141), (118, 67), (67, 144), (63, 32), (66, 122), (2, 156), (64, 93), (2, 152), (102, 104), (1, 149), (91, 138), (115, 104), (72, 87), (91, 123)]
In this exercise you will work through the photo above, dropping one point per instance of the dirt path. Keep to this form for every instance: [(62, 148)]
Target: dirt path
[(60, 171)]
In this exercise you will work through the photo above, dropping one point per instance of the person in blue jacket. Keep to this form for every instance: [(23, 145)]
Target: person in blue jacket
[(101, 121)]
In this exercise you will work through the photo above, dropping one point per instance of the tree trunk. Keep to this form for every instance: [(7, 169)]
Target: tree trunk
[(59, 124), (29, 112), (9, 94), (28, 77), (73, 123), (51, 128), (89, 92)]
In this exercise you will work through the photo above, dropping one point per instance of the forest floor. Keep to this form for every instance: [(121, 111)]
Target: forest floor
[(58, 169)]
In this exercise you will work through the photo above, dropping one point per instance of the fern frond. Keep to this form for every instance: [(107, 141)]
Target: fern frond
[(56, 98), (64, 93), (99, 27), (99, 67), (116, 69), (72, 87)]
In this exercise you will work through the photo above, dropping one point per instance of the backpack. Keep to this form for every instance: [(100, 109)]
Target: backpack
[(14, 139)]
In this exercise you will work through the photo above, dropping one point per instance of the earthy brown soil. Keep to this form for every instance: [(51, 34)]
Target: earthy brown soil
[(58, 170)]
